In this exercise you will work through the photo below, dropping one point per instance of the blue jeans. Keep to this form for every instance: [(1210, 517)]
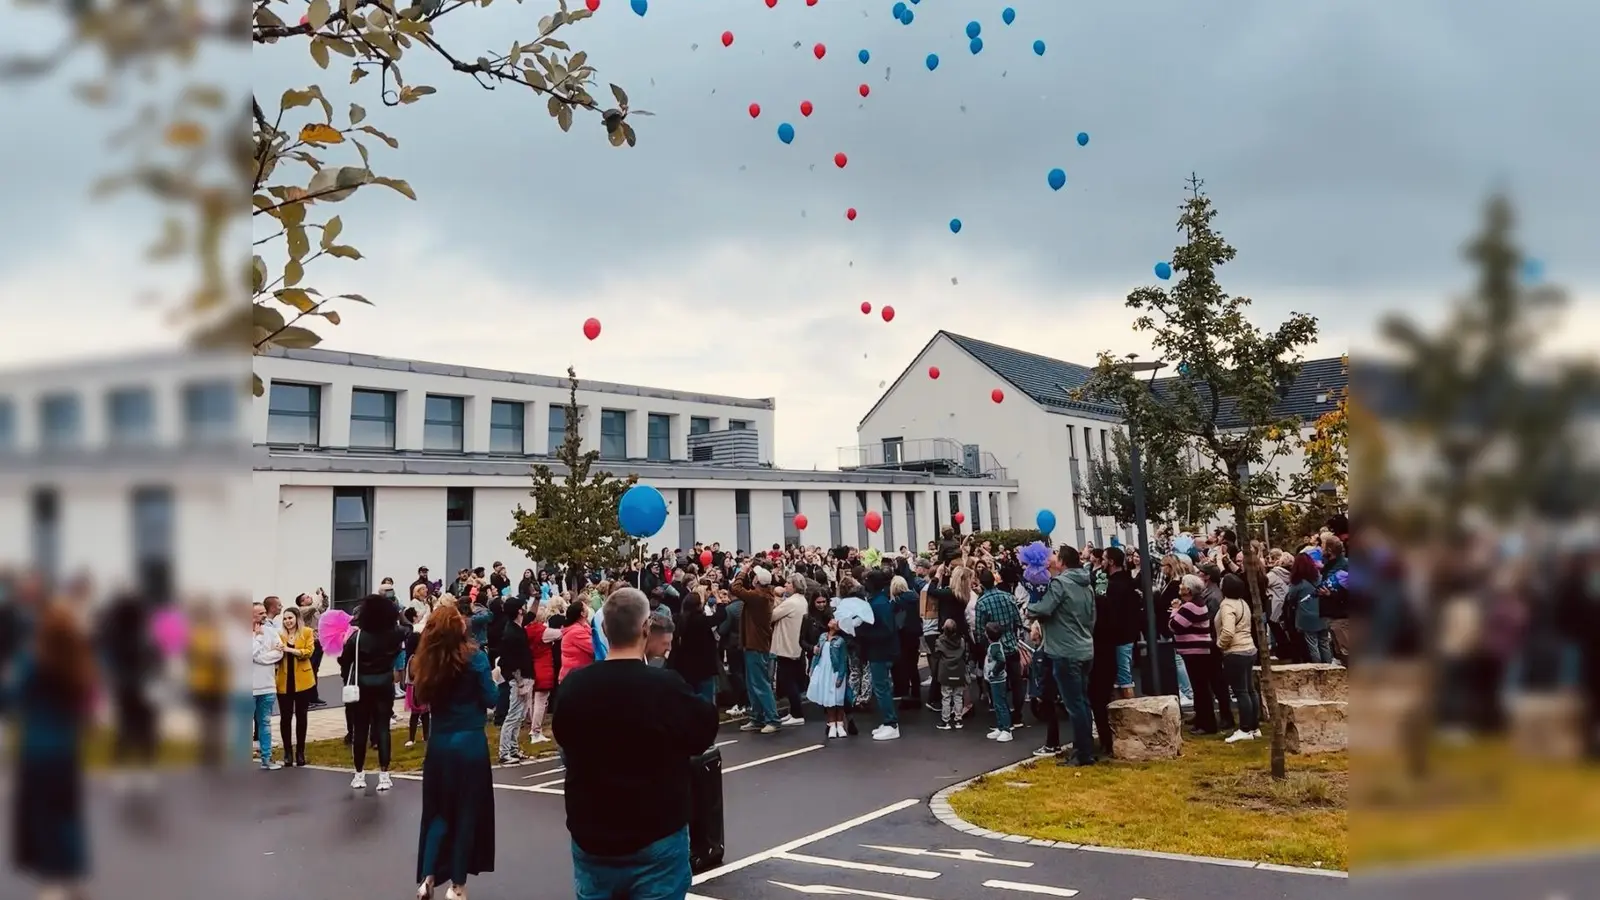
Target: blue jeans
[(1185, 689), (883, 690), (758, 680), (1072, 679), (706, 690), (658, 871), (1124, 666), (263, 716), (1319, 645), (1002, 704)]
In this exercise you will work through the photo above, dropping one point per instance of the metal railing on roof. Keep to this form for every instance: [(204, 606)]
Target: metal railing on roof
[(939, 456)]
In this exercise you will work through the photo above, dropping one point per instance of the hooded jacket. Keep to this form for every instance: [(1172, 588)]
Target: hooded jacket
[(949, 660), (1066, 616)]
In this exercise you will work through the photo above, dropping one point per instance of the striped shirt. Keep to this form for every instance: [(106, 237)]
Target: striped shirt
[(1191, 628)]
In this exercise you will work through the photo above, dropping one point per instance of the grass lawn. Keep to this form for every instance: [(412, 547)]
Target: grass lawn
[(1216, 800)]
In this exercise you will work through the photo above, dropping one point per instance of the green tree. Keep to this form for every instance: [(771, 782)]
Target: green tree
[(1223, 401), (574, 518), (1171, 489), (201, 151)]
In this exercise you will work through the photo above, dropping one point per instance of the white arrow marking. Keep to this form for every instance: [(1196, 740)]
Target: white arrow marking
[(857, 866), (763, 761), (963, 855), (831, 891), (1030, 888)]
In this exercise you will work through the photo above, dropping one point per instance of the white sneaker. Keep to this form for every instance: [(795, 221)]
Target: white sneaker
[(537, 738), (359, 782), (750, 726), (735, 710), (993, 735), (1238, 736), (1256, 734), (769, 728), (384, 781), (1003, 737), (410, 744), (833, 731), (887, 733), (791, 720)]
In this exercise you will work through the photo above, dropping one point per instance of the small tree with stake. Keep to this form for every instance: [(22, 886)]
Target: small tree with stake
[(1224, 397), (574, 519)]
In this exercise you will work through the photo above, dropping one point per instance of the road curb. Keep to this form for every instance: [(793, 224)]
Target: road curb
[(940, 805)]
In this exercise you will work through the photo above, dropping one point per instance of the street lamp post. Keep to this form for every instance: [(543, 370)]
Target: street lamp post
[(1153, 673)]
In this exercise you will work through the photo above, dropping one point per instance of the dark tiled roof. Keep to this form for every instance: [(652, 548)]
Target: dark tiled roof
[(1047, 381)]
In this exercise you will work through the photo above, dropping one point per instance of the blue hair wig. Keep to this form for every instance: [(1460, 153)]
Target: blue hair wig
[(1033, 557)]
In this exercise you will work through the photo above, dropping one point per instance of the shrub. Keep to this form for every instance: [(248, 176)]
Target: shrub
[(1011, 537)]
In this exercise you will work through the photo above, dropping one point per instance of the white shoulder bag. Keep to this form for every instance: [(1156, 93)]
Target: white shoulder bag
[(352, 690)]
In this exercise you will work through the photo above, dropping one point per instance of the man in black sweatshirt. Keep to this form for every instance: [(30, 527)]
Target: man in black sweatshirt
[(627, 810)]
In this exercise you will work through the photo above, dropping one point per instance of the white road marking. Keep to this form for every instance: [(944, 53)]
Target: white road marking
[(831, 891), (963, 855), (762, 762), (556, 771), (857, 866), (797, 843), (1030, 888)]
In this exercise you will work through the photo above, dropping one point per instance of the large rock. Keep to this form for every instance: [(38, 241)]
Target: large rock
[(1311, 681), (1393, 701), (1547, 725), (1146, 728), (1314, 726)]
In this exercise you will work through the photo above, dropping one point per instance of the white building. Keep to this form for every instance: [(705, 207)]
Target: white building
[(1038, 434)]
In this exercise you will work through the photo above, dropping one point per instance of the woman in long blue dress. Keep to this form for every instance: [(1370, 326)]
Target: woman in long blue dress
[(456, 838), (51, 696)]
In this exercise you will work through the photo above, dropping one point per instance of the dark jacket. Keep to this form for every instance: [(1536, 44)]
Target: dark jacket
[(755, 631), (373, 653), (908, 615), (694, 645), (516, 657), (948, 662), (1124, 609), (880, 642)]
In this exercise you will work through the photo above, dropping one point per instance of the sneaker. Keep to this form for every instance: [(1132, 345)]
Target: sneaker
[(931, 708), (944, 725), (750, 726), (735, 710), (384, 781), (960, 724), (1047, 750), (994, 733), (359, 782), (1238, 736), (506, 760), (791, 720), (1003, 737), (410, 744), (769, 728), (1256, 734), (887, 733), (271, 766), (537, 738)]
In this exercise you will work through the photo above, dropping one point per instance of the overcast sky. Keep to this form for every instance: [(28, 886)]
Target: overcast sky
[(1348, 145)]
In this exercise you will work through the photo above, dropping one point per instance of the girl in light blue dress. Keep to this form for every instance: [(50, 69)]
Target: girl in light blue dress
[(829, 686)]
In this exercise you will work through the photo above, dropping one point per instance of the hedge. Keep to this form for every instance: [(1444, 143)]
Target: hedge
[(1011, 537)]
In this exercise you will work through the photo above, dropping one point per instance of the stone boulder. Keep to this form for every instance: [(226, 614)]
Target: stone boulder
[(1311, 681), (1548, 725), (1393, 699), (1314, 726), (1146, 728)]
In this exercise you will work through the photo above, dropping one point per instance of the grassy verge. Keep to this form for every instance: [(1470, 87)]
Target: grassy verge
[(1216, 800)]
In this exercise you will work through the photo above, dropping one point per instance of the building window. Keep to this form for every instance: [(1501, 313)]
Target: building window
[(835, 527), (955, 507), (1104, 454), (372, 419), (659, 444), (737, 425), (350, 506), (893, 451), (888, 520), (1088, 443), (861, 518), (457, 529), (911, 521), (613, 434), (45, 507), (294, 414), (791, 507), (8, 426), (686, 536), (994, 510), (505, 426), (131, 413), (741, 502), (153, 530), (699, 425), (61, 421), (741, 509), (558, 429), (352, 545), (977, 513), (444, 423), (210, 412)]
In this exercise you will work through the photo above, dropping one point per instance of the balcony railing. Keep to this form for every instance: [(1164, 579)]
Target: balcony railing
[(941, 456)]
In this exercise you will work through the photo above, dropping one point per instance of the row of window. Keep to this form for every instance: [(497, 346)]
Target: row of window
[(209, 409), (294, 416)]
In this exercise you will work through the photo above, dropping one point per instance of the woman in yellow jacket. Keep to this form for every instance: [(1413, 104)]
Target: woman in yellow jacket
[(297, 685)]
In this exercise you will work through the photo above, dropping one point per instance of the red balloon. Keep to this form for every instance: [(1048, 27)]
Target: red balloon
[(839, 159), (305, 20), (933, 372), (959, 517), (591, 328), (850, 214), (727, 39), (864, 90), (805, 107), (800, 521), (819, 51), (705, 555), (866, 308), (873, 521), (592, 4), (888, 314), (771, 3), (997, 395), (755, 110), (811, 2)]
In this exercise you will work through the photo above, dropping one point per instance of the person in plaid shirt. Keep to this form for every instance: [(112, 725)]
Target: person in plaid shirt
[(999, 607)]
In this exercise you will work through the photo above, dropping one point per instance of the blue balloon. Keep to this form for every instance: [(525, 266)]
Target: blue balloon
[(973, 28), (976, 46), (643, 510), (1008, 15), (1116, 541), (1532, 270), (906, 17), (786, 133), (933, 61), (899, 11), (863, 56), (1163, 270), (955, 226), (641, 6), (1083, 139), (1038, 48), (915, 2), (1058, 179), (1046, 521)]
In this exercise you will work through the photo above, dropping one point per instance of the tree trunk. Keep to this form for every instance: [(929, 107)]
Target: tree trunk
[(1258, 627)]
